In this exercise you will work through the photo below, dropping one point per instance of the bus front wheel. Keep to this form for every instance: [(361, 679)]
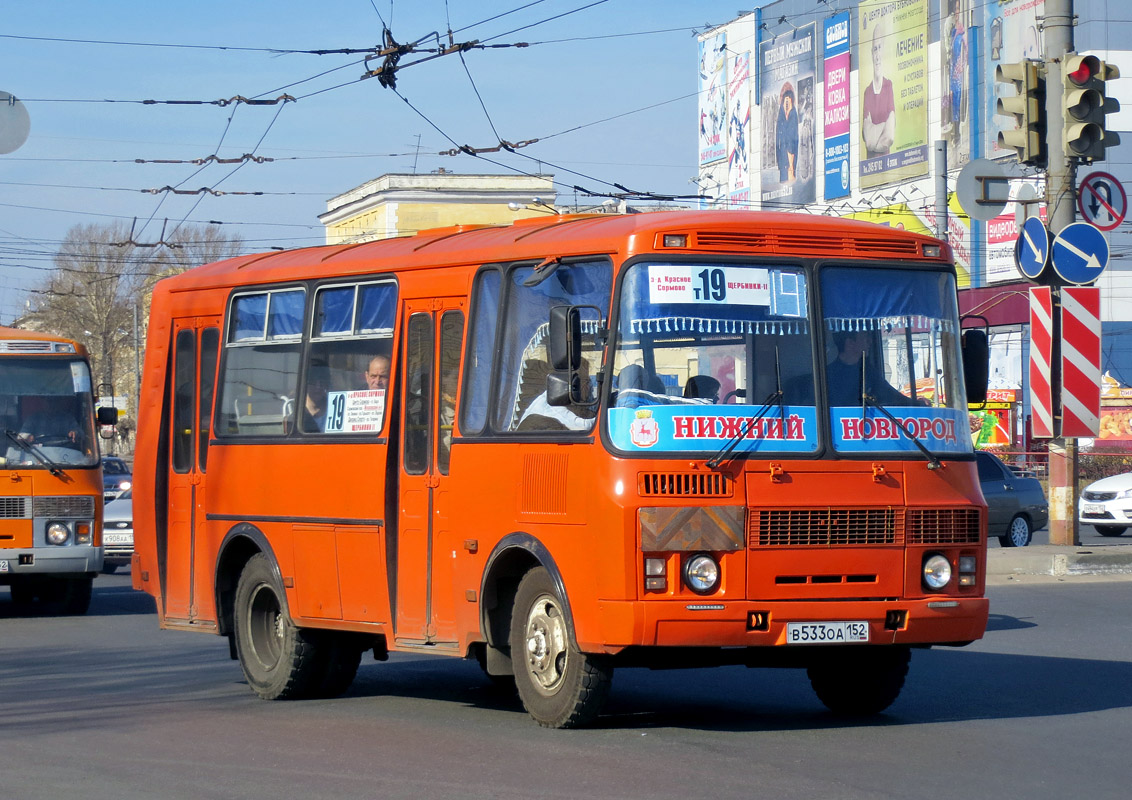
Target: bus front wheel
[(560, 686), (280, 661), (860, 681)]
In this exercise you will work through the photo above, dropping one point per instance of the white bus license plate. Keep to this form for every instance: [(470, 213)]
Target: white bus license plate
[(117, 538), (826, 632), (1094, 509)]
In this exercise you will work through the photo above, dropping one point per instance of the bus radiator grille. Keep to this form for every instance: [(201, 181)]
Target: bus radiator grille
[(14, 508), (825, 527), (943, 526)]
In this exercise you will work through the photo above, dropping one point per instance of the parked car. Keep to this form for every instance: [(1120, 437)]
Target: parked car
[(116, 477), (118, 532), (1107, 504), (1016, 504)]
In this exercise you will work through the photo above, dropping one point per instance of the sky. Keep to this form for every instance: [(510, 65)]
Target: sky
[(607, 86)]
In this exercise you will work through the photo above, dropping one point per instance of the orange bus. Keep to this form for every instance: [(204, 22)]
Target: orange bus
[(51, 503), (565, 445)]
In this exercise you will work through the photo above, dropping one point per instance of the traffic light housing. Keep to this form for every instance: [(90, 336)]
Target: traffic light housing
[(1028, 108), (1085, 103)]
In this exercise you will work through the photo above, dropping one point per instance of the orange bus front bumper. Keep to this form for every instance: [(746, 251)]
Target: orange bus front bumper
[(703, 623)]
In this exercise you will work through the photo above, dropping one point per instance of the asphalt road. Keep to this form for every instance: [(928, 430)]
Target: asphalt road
[(108, 706)]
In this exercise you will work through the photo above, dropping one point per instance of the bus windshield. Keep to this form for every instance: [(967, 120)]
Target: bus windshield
[(708, 352), (714, 356), (45, 408), (892, 345)]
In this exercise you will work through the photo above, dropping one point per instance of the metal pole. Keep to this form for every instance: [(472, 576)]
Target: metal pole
[(941, 189), (1061, 191)]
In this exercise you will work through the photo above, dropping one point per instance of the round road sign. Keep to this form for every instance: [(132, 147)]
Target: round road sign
[(1102, 201), (1080, 253), (1031, 250)]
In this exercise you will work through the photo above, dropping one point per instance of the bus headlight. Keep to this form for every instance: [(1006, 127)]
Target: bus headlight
[(701, 574), (937, 571), (58, 533)]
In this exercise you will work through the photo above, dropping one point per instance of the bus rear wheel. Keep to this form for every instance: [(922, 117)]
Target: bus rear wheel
[(560, 686), (860, 681), (280, 660)]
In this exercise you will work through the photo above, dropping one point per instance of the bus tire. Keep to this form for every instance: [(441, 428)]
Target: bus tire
[(74, 596), (280, 661), (860, 681), (343, 656), (560, 686)]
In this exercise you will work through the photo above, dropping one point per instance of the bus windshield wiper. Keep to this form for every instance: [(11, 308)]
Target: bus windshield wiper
[(33, 450), (774, 398), (724, 454), (933, 461)]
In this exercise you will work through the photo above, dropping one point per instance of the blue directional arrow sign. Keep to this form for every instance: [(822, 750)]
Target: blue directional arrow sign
[(1080, 253), (1031, 251)]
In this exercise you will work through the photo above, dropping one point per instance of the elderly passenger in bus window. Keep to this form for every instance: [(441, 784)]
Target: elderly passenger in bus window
[(377, 373)]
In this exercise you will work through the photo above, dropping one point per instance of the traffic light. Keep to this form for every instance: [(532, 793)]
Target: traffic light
[(1028, 108), (1085, 104)]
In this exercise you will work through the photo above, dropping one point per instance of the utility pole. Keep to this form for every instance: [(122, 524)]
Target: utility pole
[(1061, 195)]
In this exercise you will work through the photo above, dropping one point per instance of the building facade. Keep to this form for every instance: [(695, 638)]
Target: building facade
[(841, 110)]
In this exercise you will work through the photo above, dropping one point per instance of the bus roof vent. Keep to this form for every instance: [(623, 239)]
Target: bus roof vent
[(31, 346), (808, 242), (683, 484)]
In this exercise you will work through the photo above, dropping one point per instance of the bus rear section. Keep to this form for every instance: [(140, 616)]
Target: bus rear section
[(51, 494), (725, 438)]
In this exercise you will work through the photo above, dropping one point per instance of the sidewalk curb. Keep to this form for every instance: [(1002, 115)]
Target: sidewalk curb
[(1060, 561)]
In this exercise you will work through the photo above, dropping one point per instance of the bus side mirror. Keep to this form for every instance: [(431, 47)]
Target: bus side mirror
[(565, 338), (976, 365), (107, 415), (558, 389)]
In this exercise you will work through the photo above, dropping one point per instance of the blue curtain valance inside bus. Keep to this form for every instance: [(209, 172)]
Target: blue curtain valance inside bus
[(874, 299)]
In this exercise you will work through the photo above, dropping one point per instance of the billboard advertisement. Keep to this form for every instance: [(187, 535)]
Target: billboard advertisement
[(713, 99), (789, 160), (739, 131), (836, 129), (892, 55), (955, 33)]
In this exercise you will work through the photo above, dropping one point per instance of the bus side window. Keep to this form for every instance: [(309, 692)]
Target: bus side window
[(209, 353), (184, 399), (261, 365), (418, 394), (451, 338), (481, 349)]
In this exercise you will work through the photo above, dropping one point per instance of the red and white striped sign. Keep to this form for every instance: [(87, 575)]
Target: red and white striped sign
[(1041, 354), (1080, 361)]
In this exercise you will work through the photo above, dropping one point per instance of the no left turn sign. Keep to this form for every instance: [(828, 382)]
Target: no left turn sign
[(1102, 201)]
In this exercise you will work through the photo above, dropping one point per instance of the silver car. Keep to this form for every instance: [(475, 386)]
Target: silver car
[(1107, 504), (118, 532)]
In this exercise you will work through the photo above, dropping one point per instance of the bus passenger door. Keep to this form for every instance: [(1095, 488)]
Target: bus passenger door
[(196, 344), (425, 607)]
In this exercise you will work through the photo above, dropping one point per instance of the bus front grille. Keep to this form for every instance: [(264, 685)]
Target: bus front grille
[(77, 506), (829, 527), (943, 526), (683, 484), (825, 527), (14, 508)]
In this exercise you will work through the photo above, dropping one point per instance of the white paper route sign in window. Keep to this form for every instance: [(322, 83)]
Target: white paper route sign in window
[(702, 283)]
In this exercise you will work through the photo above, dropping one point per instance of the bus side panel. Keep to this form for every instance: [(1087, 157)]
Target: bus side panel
[(326, 533), (151, 447)]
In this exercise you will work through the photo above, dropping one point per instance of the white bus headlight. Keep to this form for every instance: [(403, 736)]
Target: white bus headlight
[(937, 571), (701, 574), (58, 533)]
